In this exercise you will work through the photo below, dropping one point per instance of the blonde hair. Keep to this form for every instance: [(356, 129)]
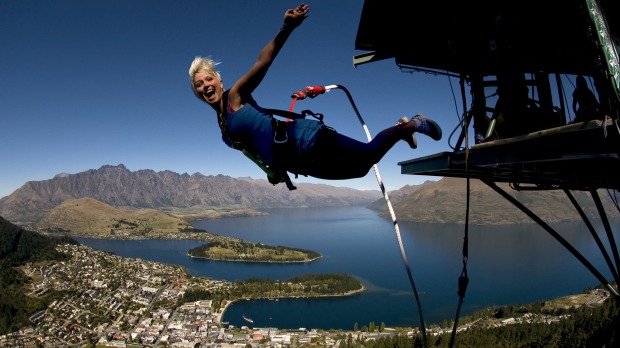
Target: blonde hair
[(202, 65)]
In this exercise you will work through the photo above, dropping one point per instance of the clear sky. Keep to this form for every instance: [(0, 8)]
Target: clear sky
[(90, 83)]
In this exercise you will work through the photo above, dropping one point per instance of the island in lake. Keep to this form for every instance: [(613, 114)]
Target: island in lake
[(239, 250)]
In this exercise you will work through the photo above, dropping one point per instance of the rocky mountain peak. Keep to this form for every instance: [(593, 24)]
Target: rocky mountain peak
[(120, 187)]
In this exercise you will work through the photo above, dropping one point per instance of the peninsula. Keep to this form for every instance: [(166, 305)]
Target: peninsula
[(89, 218)]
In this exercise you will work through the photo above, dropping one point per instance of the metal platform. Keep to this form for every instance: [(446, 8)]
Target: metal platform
[(582, 156)]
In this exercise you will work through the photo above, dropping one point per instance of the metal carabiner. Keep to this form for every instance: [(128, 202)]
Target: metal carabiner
[(277, 141)]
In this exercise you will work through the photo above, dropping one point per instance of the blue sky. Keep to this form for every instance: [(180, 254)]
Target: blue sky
[(92, 83)]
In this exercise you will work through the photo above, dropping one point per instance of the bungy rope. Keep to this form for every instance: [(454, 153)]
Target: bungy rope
[(313, 91)]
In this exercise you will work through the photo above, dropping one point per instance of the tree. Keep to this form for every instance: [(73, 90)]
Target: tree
[(371, 327), (350, 340)]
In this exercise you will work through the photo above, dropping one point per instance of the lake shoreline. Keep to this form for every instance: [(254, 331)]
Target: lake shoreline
[(253, 261), (349, 239), (220, 314)]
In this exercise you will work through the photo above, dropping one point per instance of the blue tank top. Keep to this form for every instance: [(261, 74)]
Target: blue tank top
[(251, 126)]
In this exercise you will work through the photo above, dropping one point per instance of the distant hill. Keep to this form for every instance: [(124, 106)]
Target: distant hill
[(120, 187), (444, 201), (399, 195), (89, 217)]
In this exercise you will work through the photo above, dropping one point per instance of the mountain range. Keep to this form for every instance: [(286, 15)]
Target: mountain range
[(442, 201), (119, 187)]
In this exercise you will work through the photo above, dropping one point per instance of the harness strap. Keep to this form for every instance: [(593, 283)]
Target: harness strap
[(281, 146), (281, 149), (222, 123), (288, 114)]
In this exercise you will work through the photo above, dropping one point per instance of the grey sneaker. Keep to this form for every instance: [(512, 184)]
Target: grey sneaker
[(428, 127), (410, 139)]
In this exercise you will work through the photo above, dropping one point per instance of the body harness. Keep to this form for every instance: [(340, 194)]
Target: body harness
[(276, 171)]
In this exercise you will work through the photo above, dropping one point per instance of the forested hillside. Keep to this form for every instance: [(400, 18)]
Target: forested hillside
[(18, 246), (594, 327)]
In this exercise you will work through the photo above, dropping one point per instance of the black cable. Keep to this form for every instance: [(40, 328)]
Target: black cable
[(463, 279)]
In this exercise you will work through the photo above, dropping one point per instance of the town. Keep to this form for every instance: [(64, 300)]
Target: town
[(110, 301), (119, 302)]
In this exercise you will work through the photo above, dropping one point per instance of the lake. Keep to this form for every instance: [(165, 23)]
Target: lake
[(507, 265)]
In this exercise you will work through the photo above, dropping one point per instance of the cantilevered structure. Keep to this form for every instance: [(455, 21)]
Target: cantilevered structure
[(523, 49)]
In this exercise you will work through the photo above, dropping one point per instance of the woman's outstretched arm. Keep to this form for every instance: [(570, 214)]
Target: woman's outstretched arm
[(241, 91)]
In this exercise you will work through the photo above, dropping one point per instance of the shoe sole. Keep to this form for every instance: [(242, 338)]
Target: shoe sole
[(414, 142)]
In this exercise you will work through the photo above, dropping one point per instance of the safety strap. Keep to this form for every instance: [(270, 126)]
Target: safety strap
[(281, 149), (283, 113), (293, 115)]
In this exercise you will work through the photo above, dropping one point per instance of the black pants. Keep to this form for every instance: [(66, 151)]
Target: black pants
[(338, 157)]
